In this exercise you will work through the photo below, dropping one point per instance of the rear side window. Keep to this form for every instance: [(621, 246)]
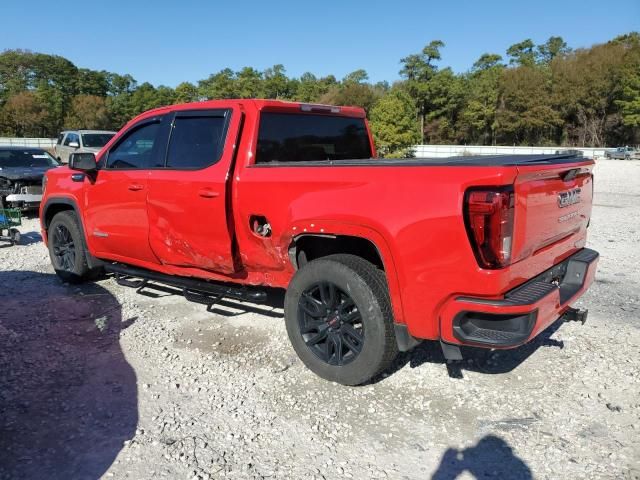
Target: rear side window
[(96, 140), (291, 137), (136, 148), (60, 137), (196, 140)]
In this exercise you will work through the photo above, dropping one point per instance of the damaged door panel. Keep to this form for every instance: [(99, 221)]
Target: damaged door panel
[(194, 185)]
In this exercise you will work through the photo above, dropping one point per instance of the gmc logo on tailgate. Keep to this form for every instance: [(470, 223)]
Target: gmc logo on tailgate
[(570, 197)]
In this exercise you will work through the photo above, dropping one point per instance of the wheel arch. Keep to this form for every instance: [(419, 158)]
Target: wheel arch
[(328, 238), (55, 205)]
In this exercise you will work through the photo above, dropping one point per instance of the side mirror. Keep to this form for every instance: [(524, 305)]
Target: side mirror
[(74, 144), (85, 162)]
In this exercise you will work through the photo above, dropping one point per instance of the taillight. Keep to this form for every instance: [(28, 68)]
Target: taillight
[(489, 220)]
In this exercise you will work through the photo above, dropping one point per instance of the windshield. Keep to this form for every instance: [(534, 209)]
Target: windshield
[(26, 158), (96, 140)]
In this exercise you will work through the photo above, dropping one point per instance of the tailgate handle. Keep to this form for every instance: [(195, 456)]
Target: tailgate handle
[(569, 174)]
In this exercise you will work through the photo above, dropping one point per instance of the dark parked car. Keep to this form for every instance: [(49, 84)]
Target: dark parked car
[(21, 172)]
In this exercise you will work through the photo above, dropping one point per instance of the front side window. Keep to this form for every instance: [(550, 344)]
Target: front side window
[(96, 140), (135, 149), (293, 137), (196, 141), (71, 137)]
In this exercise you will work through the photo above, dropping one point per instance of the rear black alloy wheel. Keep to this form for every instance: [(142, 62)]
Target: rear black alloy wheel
[(64, 248), (330, 323), (338, 318)]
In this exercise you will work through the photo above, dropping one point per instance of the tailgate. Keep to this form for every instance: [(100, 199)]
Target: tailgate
[(553, 208)]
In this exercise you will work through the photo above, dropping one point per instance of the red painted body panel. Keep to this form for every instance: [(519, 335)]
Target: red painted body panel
[(116, 205), (412, 214)]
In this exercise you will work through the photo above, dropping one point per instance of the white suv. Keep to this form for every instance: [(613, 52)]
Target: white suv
[(77, 141)]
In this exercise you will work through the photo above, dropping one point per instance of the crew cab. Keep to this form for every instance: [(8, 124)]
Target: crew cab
[(225, 198)]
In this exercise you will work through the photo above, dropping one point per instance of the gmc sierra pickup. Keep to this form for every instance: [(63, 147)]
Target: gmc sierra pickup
[(219, 198)]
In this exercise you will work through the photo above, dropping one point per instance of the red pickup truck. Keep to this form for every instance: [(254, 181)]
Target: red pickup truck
[(221, 198)]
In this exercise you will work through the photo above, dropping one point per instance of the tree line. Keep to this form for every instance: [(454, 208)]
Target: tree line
[(547, 94)]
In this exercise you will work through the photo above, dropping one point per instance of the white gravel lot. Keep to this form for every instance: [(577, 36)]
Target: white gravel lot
[(98, 380)]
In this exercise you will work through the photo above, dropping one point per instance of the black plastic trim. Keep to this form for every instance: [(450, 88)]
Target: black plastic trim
[(500, 330), (569, 275), (404, 339), (468, 161)]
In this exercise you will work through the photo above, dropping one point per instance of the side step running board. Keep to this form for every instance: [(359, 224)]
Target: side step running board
[(192, 288)]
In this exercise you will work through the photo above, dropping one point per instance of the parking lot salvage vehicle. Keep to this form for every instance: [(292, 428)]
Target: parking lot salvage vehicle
[(221, 198), (21, 172), (623, 153), (80, 141)]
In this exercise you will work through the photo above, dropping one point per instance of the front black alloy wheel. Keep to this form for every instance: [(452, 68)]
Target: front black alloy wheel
[(64, 248), (330, 323)]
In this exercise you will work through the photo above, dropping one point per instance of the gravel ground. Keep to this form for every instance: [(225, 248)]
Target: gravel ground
[(100, 381)]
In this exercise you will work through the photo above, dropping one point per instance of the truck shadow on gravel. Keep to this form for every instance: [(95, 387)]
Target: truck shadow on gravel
[(68, 397), (474, 359)]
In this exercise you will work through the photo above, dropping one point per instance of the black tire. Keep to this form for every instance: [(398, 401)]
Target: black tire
[(366, 285), (14, 233), (67, 249)]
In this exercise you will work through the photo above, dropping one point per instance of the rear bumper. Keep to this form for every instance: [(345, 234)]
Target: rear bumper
[(523, 312)]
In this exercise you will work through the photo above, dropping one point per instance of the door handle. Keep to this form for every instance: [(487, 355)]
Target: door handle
[(207, 193), (134, 187)]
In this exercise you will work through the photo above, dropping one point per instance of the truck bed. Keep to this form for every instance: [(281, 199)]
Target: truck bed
[(460, 161)]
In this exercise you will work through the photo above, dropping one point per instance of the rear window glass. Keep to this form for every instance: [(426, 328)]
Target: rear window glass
[(196, 142), (287, 137)]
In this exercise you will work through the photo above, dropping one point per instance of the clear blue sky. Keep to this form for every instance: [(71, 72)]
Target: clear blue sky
[(166, 42)]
